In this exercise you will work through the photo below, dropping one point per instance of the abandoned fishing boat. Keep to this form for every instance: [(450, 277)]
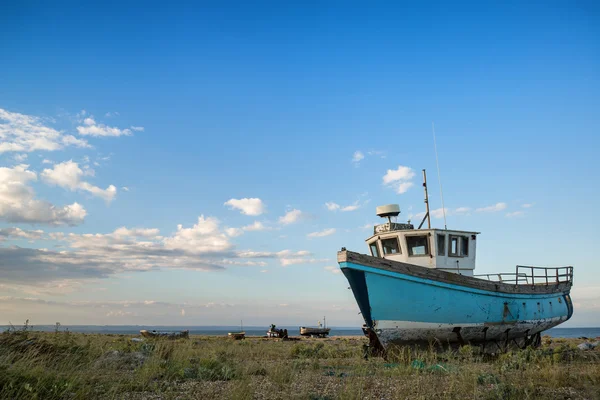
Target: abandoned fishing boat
[(167, 335), (321, 331), (418, 286), (273, 332)]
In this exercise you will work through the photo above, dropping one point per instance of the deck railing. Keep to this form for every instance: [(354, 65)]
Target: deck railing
[(528, 275)]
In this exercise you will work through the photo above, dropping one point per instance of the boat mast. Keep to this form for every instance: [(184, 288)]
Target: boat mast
[(426, 203)]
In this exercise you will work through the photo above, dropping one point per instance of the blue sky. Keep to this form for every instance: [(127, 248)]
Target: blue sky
[(153, 115)]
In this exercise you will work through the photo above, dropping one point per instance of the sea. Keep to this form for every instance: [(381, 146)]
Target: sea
[(256, 330)]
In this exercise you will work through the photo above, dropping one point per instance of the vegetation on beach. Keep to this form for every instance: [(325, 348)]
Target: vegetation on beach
[(82, 366)]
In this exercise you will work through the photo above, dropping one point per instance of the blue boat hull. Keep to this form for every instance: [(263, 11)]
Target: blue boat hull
[(404, 307)]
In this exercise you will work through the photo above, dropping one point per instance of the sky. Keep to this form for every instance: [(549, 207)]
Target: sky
[(179, 164)]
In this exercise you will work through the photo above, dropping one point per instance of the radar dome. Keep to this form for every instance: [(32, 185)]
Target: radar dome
[(390, 210)]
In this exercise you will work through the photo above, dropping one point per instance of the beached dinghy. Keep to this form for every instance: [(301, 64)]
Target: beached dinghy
[(241, 334), (417, 286)]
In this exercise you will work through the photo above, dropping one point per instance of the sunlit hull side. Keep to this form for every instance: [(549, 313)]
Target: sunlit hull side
[(408, 304)]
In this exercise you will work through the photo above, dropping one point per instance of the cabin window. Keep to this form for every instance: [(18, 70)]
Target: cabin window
[(464, 244), (453, 250), (459, 246), (390, 246), (441, 245), (417, 245), (374, 249)]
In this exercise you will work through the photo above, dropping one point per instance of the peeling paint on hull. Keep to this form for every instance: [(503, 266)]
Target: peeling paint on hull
[(406, 304), (409, 332)]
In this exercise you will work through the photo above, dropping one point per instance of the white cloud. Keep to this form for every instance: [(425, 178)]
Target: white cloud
[(70, 140), (120, 313), (379, 153), (19, 205), (91, 128), (68, 175), (333, 270), (293, 261), (183, 312), (137, 128), (247, 206), (203, 237), (462, 210), (285, 257), (357, 156), (111, 114), (85, 257), (439, 212), (26, 133), (399, 178), (46, 161), (402, 173), (331, 206), (515, 214), (136, 232), (125, 189), (244, 263), (291, 217), (93, 256), (7, 233), (527, 205), (264, 271), (494, 208), (256, 226), (234, 232), (402, 187), (323, 233), (20, 157), (102, 130)]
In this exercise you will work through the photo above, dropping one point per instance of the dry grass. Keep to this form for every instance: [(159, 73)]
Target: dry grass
[(81, 366)]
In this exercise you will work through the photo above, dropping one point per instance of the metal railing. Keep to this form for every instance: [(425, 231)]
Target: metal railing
[(505, 277), (528, 275)]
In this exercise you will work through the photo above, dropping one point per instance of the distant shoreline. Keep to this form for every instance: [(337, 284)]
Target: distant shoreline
[(254, 331)]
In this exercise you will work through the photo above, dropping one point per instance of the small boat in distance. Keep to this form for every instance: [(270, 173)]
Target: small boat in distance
[(417, 286), (238, 335), (273, 332), (320, 332)]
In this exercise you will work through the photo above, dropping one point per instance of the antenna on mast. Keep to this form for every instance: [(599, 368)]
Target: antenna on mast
[(439, 177)]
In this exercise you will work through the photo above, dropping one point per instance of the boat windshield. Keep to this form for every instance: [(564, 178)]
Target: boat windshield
[(390, 246), (374, 249), (417, 245)]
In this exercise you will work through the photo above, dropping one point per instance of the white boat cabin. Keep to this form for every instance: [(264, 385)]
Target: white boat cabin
[(444, 249)]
